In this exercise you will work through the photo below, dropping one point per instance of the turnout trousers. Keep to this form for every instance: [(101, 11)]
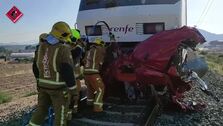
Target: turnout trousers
[(81, 95), (75, 107), (95, 94), (58, 99)]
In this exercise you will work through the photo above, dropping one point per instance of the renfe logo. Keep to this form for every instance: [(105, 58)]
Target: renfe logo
[(124, 29)]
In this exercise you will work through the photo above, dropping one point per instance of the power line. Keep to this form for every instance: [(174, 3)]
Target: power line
[(201, 16), (205, 12)]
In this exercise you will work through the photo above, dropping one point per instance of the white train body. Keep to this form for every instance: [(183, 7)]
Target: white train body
[(129, 20)]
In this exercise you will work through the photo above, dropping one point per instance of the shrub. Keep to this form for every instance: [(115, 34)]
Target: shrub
[(4, 97), (30, 94), (203, 52), (215, 62)]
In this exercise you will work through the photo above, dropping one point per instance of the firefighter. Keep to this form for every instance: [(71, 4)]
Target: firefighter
[(53, 70), (94, 59), (77, 51)]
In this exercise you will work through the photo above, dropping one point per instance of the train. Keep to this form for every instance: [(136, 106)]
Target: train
[(130, 20)]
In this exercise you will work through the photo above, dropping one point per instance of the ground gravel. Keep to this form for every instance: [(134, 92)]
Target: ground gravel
[(16, 108), (212, 115)]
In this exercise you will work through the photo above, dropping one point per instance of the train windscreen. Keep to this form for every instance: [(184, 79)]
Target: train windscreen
[(97, 4)]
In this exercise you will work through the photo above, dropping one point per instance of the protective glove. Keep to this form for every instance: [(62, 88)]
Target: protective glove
[(74, 95), (73, 92), (80, 77)]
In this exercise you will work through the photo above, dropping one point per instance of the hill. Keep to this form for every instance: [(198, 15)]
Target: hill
[(14, 48), (211, 36)]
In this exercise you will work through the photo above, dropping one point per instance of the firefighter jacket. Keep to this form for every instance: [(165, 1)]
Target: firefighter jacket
[(77, 55), (94, 59), (53, 66)]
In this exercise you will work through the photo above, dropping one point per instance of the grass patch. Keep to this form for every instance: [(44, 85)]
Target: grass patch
[(4, 98), (30, 94), (215, 62)]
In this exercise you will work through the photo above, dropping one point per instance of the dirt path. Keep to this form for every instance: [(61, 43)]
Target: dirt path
[(17, 81)]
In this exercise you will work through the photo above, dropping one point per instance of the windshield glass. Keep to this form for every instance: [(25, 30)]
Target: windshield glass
[(96, 4)]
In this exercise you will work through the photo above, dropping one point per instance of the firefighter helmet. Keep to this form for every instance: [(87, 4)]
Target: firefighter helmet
[(75, 35), (99, 41), (61, 31)]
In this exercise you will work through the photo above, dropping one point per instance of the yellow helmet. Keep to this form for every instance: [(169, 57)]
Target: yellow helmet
[(99, 41), (61, 31)]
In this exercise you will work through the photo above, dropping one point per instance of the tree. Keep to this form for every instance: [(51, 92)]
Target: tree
[(3, 50), (29, 47)]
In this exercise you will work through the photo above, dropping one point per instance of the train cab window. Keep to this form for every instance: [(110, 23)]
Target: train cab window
[(143, 1), (93, 30), (152, 28), (91, 1), (111, 3), (97, 4)]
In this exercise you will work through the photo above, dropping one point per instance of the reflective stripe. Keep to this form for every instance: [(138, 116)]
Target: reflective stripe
[(73, 87), (54, 59), (90, 99), (54, 64), (77, 75), (38, 53), (94, 59), (64, 92), (71, 57), (91, 70), (51, 82), (99, 95), (83, 98), (78, 46), (99, 104), (77, 65), (69, 112), (33, 124), (57, 76), (62, 116)]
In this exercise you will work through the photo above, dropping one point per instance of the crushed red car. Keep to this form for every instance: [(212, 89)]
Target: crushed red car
[(165, 60)]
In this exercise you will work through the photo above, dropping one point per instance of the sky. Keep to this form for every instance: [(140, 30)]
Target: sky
[(40, 15)]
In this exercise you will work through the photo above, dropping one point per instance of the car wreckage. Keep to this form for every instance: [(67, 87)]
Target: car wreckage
[(166, 61)]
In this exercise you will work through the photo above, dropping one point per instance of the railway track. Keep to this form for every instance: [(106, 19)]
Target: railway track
[(140, 113)]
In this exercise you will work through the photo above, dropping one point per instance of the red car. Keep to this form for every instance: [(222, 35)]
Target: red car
[(165, 60)]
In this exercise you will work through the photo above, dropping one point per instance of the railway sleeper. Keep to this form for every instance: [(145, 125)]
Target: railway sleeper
[(118, 113)]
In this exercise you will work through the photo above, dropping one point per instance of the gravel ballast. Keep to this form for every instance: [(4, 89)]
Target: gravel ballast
[(212, 115)]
